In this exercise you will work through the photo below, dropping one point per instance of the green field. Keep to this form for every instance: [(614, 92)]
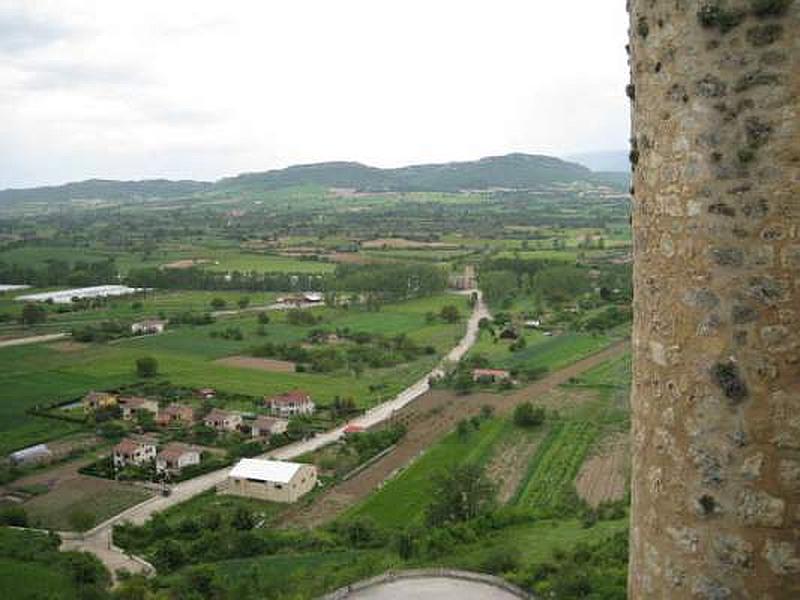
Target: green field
[(403, 500), (40, 375), (555, 465)]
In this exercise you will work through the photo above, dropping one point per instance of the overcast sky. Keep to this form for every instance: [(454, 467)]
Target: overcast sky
[(203, 89)]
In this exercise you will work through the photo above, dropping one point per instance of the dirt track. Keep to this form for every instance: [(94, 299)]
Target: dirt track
[(428, 419)]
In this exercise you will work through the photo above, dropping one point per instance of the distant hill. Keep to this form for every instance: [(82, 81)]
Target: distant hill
[(610, 160), (105, 189), (509, 171), (514, 171)]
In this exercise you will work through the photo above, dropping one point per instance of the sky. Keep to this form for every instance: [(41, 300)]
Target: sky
[(204, 89)]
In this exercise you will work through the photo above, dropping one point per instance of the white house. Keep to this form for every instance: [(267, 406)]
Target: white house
[(273, 480), (134, 452), (175, 456), (290, 404), (148, 326)]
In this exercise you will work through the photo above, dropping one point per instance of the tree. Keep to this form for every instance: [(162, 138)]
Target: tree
[(243, 302), (263, 318), (169, 555), (33, 313), (242, 519), (218, 303), (460, 494), (450, 314), (146, 366), (14, 516), (528, 415)]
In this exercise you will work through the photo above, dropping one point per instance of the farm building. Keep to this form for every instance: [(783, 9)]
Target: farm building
[(222, 420), (98, 400), (490, 375), (32, 455), (175, 456), (175, 414), (272, 480), (67, 296), (267, 426), (290, 404), (130, 405), (148, 326), (132, 451)]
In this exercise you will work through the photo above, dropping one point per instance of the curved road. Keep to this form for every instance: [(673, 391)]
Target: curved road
[(98, 540)]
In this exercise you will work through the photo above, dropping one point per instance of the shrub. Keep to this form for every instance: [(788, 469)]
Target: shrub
[(529, 416), (146, 366)]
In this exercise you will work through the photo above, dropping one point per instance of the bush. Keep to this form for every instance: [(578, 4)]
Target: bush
[(501, 560), (14, 516), (529, 416), (146, 366)]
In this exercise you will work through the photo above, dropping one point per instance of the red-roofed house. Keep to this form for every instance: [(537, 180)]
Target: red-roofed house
[(175, 456), (267, 426), (175, 414), (134, 452), (222, 420), (290, 404)]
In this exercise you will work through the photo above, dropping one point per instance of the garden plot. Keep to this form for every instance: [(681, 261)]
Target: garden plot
[(603, 477), (261, 364)]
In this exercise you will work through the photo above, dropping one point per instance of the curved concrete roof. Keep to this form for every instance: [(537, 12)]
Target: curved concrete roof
[(438, 584)]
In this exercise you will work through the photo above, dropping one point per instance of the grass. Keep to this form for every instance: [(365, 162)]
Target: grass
[(403, 500), (211, 501), (99, 498), (551, 353), (26, 569)]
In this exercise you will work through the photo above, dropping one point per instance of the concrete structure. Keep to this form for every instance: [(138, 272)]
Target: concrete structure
[(130, 405), (441, 584), (98, 400), (175, 414), (67, 296), (148, 326), (273, 480), (132, 451), (32, 455), (175, 456), (267, 426), (716, 218), (222, 420), (290, 404)]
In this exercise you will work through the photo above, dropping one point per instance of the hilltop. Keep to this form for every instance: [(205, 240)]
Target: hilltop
[(515, 171)]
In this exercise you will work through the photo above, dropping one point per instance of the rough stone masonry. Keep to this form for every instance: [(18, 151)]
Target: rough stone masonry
[(716, 216)]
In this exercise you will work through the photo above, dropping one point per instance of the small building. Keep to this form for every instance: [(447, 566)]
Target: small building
[(32, 455), (98, 400), (175, 456), (206, 393), (222, 420), (148, 326), (273, 480), (490, 375), (267, 426), (132, 451), (312, 297), (130, 405), (533, 323), (290, 404), (175, 414)]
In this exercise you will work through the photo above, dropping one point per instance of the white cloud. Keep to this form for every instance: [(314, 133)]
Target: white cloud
[(204, 89)]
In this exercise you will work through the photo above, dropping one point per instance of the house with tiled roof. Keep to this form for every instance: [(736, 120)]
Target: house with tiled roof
[(134, 451), (290, 404)]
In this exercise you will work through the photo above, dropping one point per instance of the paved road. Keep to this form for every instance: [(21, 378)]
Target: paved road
[(98, 540), (33, 339)]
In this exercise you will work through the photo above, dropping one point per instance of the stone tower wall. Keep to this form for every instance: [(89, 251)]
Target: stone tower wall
[(716, 393)]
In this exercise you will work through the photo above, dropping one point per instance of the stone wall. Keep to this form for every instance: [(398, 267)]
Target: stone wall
[(716, 394)]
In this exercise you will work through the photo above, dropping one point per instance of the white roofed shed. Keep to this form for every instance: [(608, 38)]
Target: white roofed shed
[(273, 480)]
